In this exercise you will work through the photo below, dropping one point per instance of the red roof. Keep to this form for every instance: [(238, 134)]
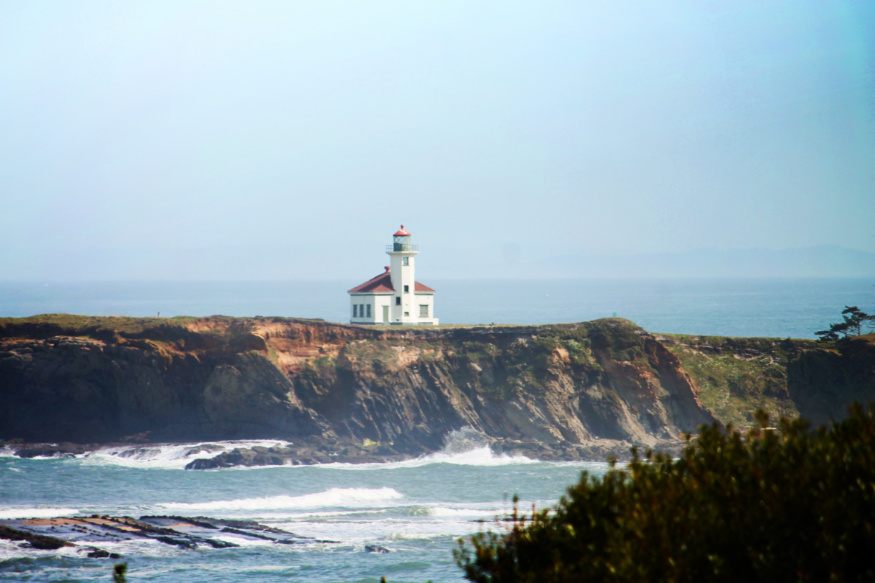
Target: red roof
[(401, 233), (383, 283)]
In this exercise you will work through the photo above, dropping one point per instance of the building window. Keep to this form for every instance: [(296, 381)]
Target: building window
[(405, 261), (397, 301), (407, 289), (423, 310), (406, 314), (355, 310), (369, 310)]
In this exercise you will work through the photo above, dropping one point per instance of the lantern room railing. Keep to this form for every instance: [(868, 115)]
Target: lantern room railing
[(395, 247)]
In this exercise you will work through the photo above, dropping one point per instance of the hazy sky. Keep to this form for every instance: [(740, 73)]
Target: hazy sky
[(289, 140)]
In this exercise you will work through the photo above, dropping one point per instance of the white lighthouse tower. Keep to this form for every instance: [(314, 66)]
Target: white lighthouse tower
[(394, 296)]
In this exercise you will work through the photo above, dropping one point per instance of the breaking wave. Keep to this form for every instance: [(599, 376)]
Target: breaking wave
[(37, 512), (168, 456), (332, 498), (463, 447)]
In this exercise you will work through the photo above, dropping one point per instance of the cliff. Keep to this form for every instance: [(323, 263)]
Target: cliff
[(738, 376), (563, 391), (576, 390), (824, 381), (789, 378)]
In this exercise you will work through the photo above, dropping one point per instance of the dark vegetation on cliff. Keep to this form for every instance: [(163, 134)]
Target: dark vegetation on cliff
[(774, 505), (562, 391)]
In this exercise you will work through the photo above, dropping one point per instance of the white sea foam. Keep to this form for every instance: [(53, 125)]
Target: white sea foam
[(169, 456), (597, 468), (12, 452), (444, 512), (462, 447), (377, 530), (243, 541), (480, 456), (335, 497), (148, 547), (330, 515), (36, 512)]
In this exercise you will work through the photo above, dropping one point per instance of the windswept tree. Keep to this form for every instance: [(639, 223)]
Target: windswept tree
[(852, 325)]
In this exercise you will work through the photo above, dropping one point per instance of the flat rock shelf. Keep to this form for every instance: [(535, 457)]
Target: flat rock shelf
[(88, 532)]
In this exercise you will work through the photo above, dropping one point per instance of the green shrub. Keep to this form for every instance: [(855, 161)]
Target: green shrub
[(784, 504)]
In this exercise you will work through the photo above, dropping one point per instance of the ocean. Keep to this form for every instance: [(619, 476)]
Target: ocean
[(778, 308), (416, 509)]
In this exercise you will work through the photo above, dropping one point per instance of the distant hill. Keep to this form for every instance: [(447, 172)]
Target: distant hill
[(821, 261)]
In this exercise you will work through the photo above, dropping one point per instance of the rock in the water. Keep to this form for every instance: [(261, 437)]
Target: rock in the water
[(376, 549), (37, 541), (95, 553), (180, 542)]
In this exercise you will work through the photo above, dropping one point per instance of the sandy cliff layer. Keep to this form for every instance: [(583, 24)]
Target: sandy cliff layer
[(555, 391)]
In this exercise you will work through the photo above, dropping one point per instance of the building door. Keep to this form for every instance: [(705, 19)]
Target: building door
[(385, 313)]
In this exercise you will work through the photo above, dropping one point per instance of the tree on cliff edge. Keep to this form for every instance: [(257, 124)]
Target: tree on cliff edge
[(852, 325), (772, 505)]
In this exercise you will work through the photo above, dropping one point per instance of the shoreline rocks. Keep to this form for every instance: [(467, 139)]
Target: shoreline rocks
[(350, 453), (182, 532)]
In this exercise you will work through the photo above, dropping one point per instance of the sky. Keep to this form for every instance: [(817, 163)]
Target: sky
[(261, 140)]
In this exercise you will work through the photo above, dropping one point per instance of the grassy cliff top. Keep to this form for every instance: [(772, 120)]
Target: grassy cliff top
[(104, 327)]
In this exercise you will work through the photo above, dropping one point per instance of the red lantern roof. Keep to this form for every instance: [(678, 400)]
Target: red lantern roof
[(401, 233)]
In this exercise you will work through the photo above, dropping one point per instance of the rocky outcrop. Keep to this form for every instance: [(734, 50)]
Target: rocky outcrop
[(567, 390), (82, 532), (36, 541), (85, 390), (825, 381)]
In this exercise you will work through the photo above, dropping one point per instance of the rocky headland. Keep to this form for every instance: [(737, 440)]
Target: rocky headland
[(355, 393)]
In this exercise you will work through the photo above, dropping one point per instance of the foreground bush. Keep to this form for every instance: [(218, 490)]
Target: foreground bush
[(788, 504)]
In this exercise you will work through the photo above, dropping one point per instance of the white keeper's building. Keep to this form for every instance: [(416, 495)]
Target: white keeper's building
[(394, 296)]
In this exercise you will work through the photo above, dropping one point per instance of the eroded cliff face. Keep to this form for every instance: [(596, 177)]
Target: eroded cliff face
[(565, 390), (825, 381), (79, 389), (738, 376)]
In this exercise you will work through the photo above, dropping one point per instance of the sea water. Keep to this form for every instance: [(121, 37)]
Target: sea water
[(778, 308), (415, 509)]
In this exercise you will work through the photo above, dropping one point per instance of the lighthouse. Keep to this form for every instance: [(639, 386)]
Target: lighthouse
[(394, 296)]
